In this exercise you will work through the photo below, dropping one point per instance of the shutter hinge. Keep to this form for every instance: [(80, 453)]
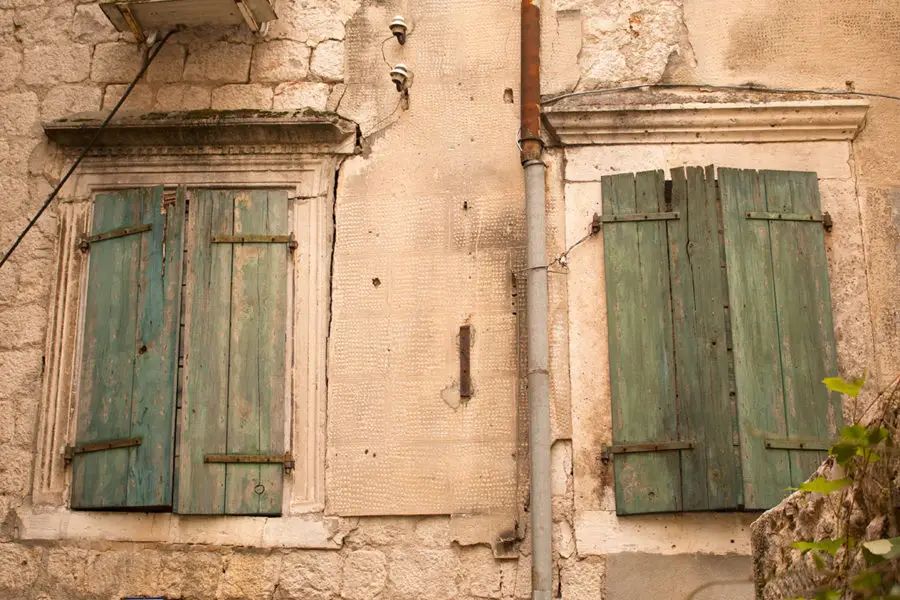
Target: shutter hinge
[(609, 451), (827, 222), (628, 218), (86, 240), (70, 451), (257, 239), (286, 460), (770, 216), (788, 444)]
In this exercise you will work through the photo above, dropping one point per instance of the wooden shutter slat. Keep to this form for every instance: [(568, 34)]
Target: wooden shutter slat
[(235, 354), (156, 360), (757, 358), (803, 308), (256, 370), (698, 308), (125, 391), (201, 487), (640, 344)]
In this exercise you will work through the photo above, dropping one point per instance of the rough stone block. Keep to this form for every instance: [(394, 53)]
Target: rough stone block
[(54, 63), (18, 566), (183, 97), (140, 99), (20, 114), (250, 576), (168, 65), (15, 470), (249, 96), (328, 61), (20, 370), (312, 21), (481, 573), (290, 96), (91, 26), (115, 62), (281, 60), (417, 574), (22, 326), (314, 574), (365, 574), (220, 61), (68, 99), (700, 576), (10, 67)]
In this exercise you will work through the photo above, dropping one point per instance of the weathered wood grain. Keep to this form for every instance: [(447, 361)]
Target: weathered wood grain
[(803, 306), (754, 325), (201, 487), (640, 342), (258, 345), (701, 357)]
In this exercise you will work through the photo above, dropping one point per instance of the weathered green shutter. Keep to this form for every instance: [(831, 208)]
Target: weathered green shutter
[(672, 415), (235, 354), (129, 357), (782, 328)]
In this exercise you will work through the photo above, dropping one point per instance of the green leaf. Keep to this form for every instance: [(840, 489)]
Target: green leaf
[(855, 434), (876, 435), (887, 548), (841, 385), (829, 546), (867, 580), (843, 452), (825, 486), (829, 595)]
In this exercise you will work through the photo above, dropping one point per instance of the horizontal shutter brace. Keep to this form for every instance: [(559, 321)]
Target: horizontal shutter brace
[(256, 239), (86, 241), (71, 451), (287, 460), (770, 216), (626, 218), (646, 447), (788, 444)]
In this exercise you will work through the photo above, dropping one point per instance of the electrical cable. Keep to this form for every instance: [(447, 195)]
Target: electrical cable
[(383, 55), (702, 86), (150, 56)]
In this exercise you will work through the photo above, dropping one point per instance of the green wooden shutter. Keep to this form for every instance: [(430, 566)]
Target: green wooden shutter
[(129, 358), (782, 328), (235, 354), (672, 415)]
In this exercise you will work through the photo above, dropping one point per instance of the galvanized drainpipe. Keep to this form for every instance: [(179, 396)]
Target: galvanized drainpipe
[(536, 298)]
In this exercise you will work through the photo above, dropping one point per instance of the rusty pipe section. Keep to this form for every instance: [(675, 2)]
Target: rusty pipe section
[(536, 304), (530, 92)]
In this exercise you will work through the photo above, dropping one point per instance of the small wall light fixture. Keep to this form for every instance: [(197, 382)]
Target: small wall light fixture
[(399, 29)]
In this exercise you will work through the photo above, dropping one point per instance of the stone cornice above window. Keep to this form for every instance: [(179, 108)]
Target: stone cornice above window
[(307, 130), (592, 122)]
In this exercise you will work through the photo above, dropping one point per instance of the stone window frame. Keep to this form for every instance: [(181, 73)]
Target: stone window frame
[(281, 157), (603, 135)]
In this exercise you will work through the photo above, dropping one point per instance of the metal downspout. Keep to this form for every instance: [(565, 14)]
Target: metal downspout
[(536, 299)]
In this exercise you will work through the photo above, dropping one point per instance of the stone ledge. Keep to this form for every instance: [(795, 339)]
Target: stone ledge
[(207, 128), (589, 122), (314, 531)]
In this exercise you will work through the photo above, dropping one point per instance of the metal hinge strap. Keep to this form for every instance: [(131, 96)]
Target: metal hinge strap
[(767, 216), (71, 451), (287, 460), (256, 239), (660, 216), (787, 444), (609, 451), (86, 240)]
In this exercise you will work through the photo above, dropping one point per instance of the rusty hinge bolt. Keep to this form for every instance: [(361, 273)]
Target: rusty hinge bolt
[(84, 245), (827, 221), (596, 224)]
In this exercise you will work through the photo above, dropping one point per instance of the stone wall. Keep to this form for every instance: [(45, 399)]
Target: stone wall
[(431, 208), (872, 511)]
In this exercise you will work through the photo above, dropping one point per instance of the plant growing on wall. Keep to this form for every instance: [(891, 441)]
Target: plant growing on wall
[(858, 558)]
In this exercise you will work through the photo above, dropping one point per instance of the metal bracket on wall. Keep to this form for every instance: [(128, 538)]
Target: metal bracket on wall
[(86, 240), (609, 451), (257, 239), (71, 451), (286, 460)]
